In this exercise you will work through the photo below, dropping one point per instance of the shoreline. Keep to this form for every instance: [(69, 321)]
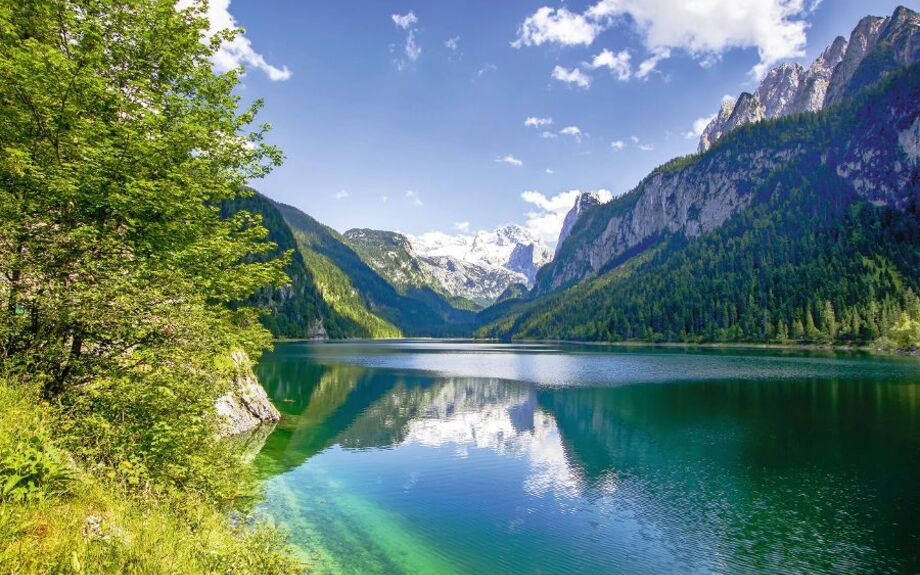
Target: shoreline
[(672, 345)]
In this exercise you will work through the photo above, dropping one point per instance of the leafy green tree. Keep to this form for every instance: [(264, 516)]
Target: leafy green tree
[(122, 287), (905, 334), (119, 142)]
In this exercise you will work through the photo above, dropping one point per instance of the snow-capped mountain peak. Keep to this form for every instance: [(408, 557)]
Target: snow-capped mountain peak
[(508, 248)]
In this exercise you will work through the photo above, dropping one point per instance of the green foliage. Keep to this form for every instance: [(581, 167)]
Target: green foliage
[(297, 310), (905, 333), (513, 292), (116, 154), (31, 467), (62, 520)]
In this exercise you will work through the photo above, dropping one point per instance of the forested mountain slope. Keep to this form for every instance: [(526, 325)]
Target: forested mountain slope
[(297, 310), (392, 256), (802, 228), (355, 291), (697, 194)]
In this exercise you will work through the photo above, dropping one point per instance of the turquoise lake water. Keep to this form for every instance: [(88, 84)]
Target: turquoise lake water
[(456, 457)]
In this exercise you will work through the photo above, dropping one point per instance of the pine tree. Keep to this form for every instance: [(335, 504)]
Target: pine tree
[(782, 332), (811, 331)]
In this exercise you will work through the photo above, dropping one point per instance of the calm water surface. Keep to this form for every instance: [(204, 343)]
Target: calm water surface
[(452, 457)]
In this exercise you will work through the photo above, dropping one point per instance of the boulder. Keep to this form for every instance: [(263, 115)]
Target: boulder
[(246, 405)]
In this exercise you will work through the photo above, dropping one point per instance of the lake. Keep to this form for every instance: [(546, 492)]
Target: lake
[(457, 457)]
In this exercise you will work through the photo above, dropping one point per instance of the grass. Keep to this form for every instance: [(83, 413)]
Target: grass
[(56, 517)]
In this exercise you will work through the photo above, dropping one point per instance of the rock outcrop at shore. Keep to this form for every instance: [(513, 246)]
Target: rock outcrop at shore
[(246, 406)]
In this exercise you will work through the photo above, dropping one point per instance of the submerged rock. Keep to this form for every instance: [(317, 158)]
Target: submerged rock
[(246, 406), (248, 445)]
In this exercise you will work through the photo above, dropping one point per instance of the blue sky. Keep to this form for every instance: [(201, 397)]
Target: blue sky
[(411, 115)]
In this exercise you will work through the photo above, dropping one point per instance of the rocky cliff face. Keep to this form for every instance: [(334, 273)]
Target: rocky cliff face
[(692, 201), (246, 406), (813, 88), (863, 40), (779, 90), (876, 46), (878, 156), (584, 202), (716, 127)]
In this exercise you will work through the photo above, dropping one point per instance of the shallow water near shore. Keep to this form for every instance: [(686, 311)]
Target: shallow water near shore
[(460, 457)]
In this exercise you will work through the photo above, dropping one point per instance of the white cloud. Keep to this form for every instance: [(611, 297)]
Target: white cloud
[(572, 131), (510, 160), (646, 147), (462, 226), (618, 144), (341, 195), (698, 126), (453, 44), (548, 135), (405, 21), (635, 139), (562, 202), (648, 65), (617, 62), (545, 222), (550, 171), (488, 67), (573, 76), (238, 51), (704, 29), (411, 49), (384, 198), (538, 122), (558, 26), (413, 198), (774, 27)]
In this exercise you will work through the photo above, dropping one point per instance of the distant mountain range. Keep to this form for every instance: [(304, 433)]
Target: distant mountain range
[(335, 294), (508, 255), (797, 220), (466, 268)]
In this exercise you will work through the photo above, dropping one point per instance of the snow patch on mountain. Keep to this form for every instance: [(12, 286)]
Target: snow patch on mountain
[(510, 247)]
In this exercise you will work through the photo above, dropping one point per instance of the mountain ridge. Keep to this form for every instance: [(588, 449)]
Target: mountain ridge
[(823, 243), (876, 46), (696, 194)]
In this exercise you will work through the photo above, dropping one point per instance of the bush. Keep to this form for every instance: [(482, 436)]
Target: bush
[(31, 468)]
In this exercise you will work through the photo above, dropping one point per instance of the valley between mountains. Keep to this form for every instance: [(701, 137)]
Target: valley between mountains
[(797, 221)]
